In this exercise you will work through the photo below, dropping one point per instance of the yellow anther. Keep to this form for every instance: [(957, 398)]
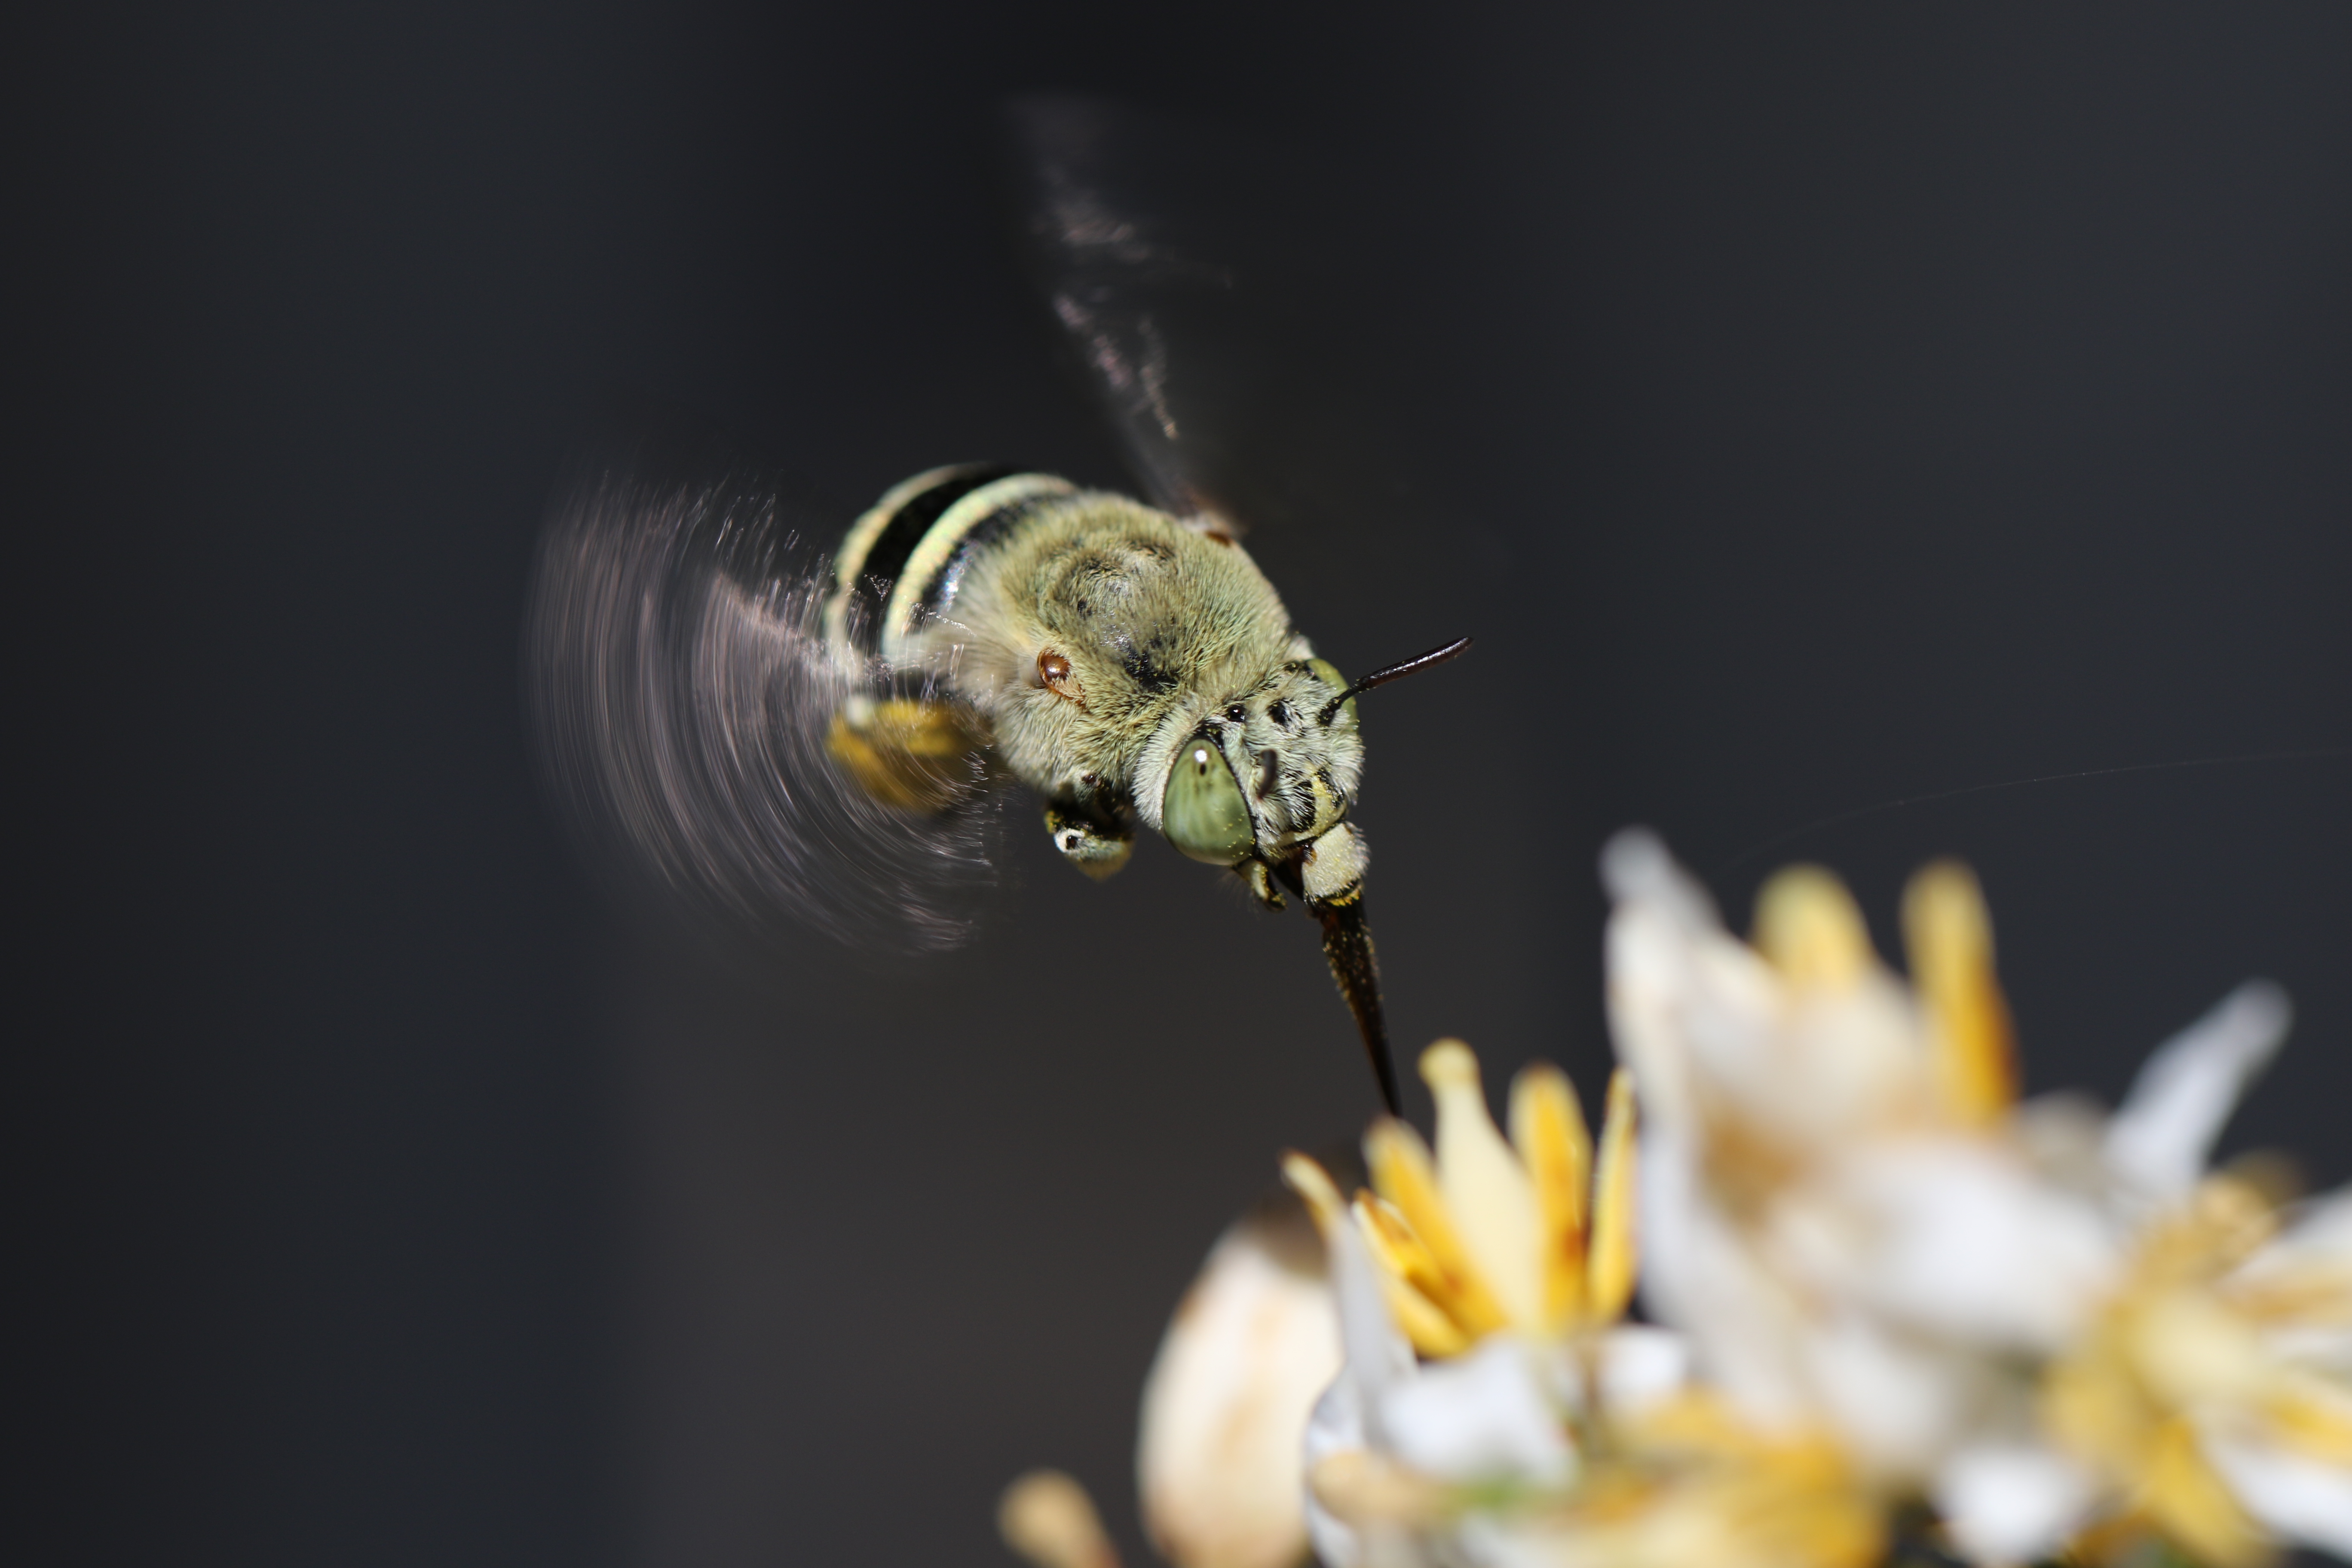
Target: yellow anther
[(2192, 1504), (1610, 1273), (1949, 939), (1486, 1191), (1316, 1189), (1807, 928), (1402, 1173), (1416, 1290), (2316, 1425), (1548, 1128)]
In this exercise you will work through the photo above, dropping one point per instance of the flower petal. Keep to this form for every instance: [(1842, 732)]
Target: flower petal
[(1252, 1347), (1480, 1417), (1047, 1517), (2160, 1139), (2297, 1499), (2012, 1503), (1956, 1237), (1377, 1355), (1636, 869), (1640, 1365), (1345, 1419)]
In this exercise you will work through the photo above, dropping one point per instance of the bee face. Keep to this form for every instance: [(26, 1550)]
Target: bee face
[(1264, 771)]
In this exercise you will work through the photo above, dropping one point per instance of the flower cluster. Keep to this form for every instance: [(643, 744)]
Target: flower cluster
[(1895, 1312), (2055, 1329)]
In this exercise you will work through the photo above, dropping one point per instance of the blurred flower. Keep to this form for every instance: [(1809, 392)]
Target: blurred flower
[(1047, 1517), (1900, 1305), (2212, 1393), (2039, 1318), (1251, 1347), (1829, 1213), (1542, 1430)]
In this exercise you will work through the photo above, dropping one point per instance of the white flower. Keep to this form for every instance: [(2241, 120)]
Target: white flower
[(1543, 1431), (2042, 1319), (1824, 1212), (1249, 1350)]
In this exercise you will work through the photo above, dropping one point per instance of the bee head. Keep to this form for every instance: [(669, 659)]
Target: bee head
[(1273, 767)]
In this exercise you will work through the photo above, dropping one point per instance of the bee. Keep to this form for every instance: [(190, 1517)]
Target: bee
[(786, 728)]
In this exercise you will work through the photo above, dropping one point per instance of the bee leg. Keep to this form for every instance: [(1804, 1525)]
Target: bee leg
[(1094, 844), (1261, 884), (912, 754)]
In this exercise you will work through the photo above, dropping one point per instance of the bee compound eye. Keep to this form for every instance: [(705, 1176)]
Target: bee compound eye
[(1203, 812)]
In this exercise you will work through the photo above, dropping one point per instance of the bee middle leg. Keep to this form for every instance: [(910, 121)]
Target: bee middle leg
[(1096, 841)]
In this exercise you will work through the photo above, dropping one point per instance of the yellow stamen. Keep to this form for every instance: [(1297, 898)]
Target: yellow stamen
[(1487, 1194), (1608, 1273), (1807, 928), (2093, 1405), (1412, 1282), (1047, 1517), (1402, 1173), (2191, 1503), (1949, 939), (1316, 1189), (1548, 1128), (2314, 1424)]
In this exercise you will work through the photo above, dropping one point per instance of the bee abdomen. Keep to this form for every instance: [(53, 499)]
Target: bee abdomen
[(903, 562)]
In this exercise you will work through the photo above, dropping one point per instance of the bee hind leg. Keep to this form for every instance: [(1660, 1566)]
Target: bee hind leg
[(905, 752)]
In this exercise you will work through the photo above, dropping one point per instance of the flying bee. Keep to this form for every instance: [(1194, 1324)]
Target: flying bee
[(1127, 666), (786, 729)]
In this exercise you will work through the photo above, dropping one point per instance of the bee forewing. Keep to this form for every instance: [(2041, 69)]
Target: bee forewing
[(1149, 238)]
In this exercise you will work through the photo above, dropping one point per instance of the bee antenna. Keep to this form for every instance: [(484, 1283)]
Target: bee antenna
[(1412, 665)]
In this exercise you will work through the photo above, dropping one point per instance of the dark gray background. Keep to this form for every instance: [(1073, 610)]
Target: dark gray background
[(1804, 411)]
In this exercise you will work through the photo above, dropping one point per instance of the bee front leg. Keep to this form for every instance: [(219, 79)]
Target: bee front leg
[(1094, 842), (1261, 884)]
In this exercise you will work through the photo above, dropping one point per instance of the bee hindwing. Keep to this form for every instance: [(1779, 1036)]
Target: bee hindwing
[(695, 714)]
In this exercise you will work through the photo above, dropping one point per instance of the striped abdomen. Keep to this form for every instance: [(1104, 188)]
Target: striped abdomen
[(902, 564)]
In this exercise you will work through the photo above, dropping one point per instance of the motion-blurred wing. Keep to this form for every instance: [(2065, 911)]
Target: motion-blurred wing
[(1132, 227), (682, 693)]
